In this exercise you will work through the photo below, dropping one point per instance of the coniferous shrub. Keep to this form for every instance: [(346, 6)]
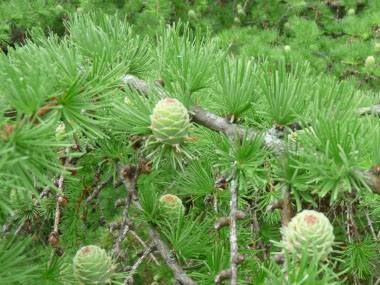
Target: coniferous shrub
[(251, 140)]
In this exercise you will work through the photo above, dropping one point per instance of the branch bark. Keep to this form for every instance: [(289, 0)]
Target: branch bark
[(286, 207), (135, 266), (145, 246), (220, 124), (233, 232), (370, 110), (171, 262)]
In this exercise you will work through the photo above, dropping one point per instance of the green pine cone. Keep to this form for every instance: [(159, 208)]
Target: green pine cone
[(377, 47), (311, 230), (60, 132), (92, 265), (241, 12), (351, 12), (192, 15), (170, 206), (370, 61), (170, 122)]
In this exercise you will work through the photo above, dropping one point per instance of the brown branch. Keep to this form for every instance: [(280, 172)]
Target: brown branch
[(245, 4), (129, 175), (233, 231), (370, 224), (208, 119), (240, 215), (171, 262), (131, 187), (8, 226), (144, 245), (148, 250), (61, 202), (125, 225), (96, 192), (93, 195), (222, 222), (284, 204), (369, 110), (164, 251), (20, 228), (130, 184), (226, 221), (221, 181), (54, 235), (223, 275), (232, 272), (350, 220), (276, 204), (286, 207), (220, 124), (371, 178)]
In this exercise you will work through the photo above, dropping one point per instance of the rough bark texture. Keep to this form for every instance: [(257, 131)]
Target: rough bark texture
[(233, 232)]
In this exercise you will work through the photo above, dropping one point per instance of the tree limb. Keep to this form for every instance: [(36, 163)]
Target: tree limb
[(131, 187), (171, 262), (233, 232), (135, 266), (370, 110), (219, 124), (286, 207)]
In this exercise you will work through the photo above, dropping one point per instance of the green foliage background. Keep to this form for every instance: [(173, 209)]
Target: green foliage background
[(231, 63), (321, 32)]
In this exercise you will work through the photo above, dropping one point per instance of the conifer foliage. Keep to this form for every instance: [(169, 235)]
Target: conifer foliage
[(137, 160)]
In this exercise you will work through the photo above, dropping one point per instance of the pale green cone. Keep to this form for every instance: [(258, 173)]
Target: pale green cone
[(351, 12), (311, 230), (370, 61), (170, 206), (92, 265), (192, 15), (170, 122), (60, 132), (377, 47)]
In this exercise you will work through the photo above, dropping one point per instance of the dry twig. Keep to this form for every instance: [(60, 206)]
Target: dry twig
[(135, 266), (131, 186), (145, 246)]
